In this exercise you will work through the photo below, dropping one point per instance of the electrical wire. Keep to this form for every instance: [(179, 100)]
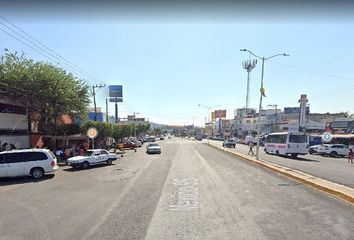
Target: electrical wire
[(37, 47)]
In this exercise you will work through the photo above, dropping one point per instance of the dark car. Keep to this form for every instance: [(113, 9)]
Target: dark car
[(229, 143), (199, 138)]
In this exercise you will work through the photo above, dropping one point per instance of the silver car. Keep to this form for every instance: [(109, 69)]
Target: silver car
[(153, 148)]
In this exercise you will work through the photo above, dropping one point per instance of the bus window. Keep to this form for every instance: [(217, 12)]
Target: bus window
[(297, 138)]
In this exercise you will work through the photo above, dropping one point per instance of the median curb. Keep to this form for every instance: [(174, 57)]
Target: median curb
[(334, 189)]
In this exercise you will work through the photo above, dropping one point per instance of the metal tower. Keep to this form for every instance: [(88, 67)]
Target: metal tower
[(248, 65)]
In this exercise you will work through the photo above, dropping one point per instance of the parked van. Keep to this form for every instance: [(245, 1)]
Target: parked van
[(28, 162)]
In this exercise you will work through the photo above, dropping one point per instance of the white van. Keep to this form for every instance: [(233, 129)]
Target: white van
[(28, 162)]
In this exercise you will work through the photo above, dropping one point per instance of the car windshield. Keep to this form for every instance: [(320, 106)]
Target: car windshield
[(153, 145)]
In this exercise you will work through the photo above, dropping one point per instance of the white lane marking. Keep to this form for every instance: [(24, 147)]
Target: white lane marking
[(187, 195)]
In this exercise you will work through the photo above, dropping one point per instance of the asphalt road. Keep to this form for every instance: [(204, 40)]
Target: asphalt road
[(336, 170), (190, 191)]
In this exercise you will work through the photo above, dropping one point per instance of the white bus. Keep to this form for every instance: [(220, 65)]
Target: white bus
[(284, 143)]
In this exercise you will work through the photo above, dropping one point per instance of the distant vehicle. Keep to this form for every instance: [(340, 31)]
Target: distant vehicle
[(149, 139), (218, 138), (137, 143), (129, 145), (198, 137), (92, 157), (250, 139), (313, 149), (153, 148), (28, 162), (285, 143), (333, 150), (169, 137), (229, 143)]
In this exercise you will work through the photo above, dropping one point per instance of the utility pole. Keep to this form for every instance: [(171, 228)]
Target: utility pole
[(106, 110), (94, 97), (134, 122), (248, 65)]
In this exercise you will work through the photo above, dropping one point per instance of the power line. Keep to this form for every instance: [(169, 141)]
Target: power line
[(312, 72), (50, 54)]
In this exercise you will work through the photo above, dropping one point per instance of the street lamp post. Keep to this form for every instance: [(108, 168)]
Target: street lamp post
[(262, 91), (209, 108)]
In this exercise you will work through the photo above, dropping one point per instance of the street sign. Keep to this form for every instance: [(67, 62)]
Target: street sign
[(327, 137), (116, 91), (92, 132), (116, 99)]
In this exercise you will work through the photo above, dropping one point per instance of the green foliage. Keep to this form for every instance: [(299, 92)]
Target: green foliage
[(45, 89), (112, 130)]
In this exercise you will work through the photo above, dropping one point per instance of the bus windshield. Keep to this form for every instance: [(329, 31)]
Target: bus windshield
[(297, 138)]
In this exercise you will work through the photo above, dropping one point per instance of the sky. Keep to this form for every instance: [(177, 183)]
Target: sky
[(168, 66)]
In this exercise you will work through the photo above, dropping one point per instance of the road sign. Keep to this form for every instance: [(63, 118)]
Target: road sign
[(92, 132), (326, 137), (116, 91), (116, 99)]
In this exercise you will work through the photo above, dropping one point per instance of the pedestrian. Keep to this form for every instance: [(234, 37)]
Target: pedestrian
[(67, 153), (251, 148), (4, 146), (12, 146), (350, 155)]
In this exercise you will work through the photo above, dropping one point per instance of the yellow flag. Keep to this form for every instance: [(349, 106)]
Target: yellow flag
[(263, 92)]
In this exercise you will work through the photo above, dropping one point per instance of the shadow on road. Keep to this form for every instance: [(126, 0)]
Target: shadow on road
[(303, 159), (71, 169), (22, 180)]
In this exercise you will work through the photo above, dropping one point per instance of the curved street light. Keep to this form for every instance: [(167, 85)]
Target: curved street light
[(262, 91)]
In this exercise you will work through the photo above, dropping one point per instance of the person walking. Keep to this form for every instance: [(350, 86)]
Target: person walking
[(350, 155), (251, 149)]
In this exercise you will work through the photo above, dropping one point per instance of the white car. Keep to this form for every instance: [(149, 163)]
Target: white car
[(92, 157), (28, 162), (333, 150), (153, 148)]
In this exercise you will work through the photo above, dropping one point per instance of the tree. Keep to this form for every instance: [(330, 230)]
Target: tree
[(46, 90)]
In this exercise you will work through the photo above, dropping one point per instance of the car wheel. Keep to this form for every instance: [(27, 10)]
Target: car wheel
[(277, 153), (85, 165), (109, 162), (37, 173), (333, 154), (294, 155)]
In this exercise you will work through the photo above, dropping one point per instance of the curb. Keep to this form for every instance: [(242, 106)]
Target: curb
[(336, 190)]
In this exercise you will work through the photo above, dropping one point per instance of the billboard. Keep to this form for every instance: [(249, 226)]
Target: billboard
[(116, 91), (218, 114)]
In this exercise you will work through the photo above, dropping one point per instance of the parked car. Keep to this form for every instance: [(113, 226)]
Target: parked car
[(137, 143), (153, 148), (28, 162), (92, 157), (198, 137), (313, 149), (149, 139), (229, 143), (129, 145), (333, 150)]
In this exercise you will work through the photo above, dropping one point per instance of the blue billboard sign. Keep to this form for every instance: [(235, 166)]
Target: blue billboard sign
[(116, 91)]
